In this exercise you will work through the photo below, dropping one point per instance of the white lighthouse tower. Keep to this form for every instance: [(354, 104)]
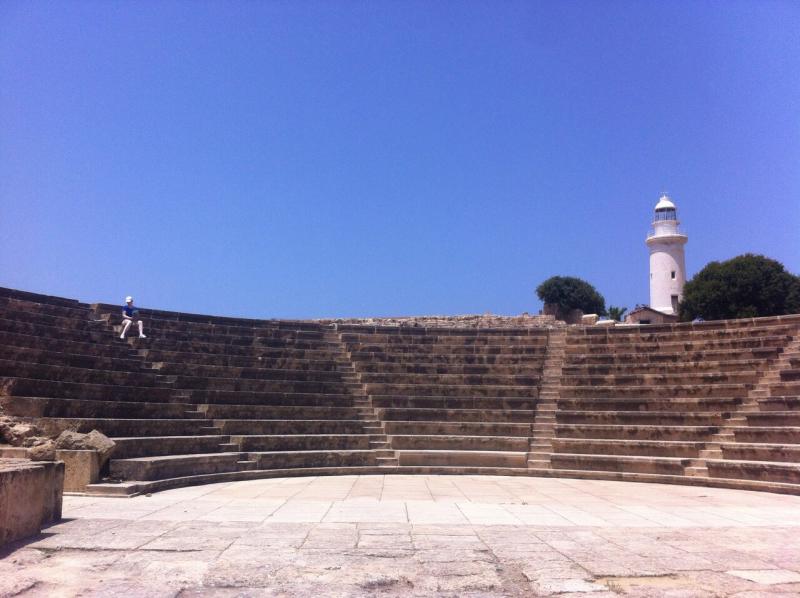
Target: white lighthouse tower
[(667, 262)]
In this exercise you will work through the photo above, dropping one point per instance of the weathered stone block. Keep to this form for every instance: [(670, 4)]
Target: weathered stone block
[(81, 467), (30, 497)]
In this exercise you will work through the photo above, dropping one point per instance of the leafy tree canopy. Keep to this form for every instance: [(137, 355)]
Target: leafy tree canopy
[(746, 286), (572, 293)]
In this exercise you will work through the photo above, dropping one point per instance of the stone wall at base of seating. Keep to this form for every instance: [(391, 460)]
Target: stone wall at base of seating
[(30, 497)]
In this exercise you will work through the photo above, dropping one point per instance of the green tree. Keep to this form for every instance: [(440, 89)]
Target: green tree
[(616, 313), (570, 293), (746, 286)]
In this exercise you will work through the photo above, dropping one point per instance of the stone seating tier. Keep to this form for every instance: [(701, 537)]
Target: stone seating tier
[(687, 346), (208, 398)]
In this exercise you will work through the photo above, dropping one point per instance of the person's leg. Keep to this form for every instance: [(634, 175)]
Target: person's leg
[(141, 329), (125, 325)]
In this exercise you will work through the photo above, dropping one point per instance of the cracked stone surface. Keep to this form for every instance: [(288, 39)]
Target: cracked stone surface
[(462, 536)]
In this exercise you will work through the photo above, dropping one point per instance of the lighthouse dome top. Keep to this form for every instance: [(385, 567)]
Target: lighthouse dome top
[(664, 203)]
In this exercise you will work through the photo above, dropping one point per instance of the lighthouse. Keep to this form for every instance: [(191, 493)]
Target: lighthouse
[(667, 262)]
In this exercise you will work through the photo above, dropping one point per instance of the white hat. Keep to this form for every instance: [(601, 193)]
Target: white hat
[(128, 299)]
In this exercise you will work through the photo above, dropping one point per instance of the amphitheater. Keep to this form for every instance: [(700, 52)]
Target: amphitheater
[(206, 401)]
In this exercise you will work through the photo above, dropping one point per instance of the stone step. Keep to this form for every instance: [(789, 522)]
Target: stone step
[(325, 458), (242, 427), (649, 448), (767, 434), (767, 471), (636, 432), (154, 446), (742, 451), (122, 427), (642, 417), (462, 458), (424, 402), (280, 412), (663, 390), (459, 443), (57, 407), (301, 442), (458, 415), (477, 428), (154, 468), (627, 463)]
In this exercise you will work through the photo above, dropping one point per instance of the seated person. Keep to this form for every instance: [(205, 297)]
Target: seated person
[(128, 313)]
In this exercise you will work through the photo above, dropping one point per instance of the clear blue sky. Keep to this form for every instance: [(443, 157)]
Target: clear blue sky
[(346, 158)]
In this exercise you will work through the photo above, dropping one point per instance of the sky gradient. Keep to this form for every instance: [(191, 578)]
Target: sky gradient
[(343, 158)]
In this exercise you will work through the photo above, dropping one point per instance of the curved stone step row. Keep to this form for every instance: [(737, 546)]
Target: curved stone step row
[(125, 427), (661, 380), (346, 411), (160, 446), (687, 346), (438, 442), (377, 352), (30, 387), (458, 428), (78, 375), (493, 379), (673, 368), (91, 333), (526, 368), (50, 321), (742, 451), (233, 397), (170, 360), (330, 384), (61, 407), (634, 335), (643, 448), (636, 431), (369, 330), (454, 403), (111, 349), (191, 351), (210, 343), (456, 359), (75, 360), (622, 359), (447, 390), (256, 369), (39, 302), (785, 389), (764, 471), (664, 418), (415, 342), (679, 404), (301, 442), (767, 434), (673, 390), (779, 403), (287, 427), (455, 415), (456, 458), (681, 479)]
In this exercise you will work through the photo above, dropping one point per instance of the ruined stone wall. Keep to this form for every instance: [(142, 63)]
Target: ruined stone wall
[(465, 321)]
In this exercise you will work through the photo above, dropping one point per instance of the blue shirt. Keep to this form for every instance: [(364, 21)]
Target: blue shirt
[(129, 310)]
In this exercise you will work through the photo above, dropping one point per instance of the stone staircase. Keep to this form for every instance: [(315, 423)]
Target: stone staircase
[(378, 440), (541, 444)]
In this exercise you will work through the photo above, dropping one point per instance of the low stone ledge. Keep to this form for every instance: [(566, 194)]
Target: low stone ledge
[(30, 497)]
